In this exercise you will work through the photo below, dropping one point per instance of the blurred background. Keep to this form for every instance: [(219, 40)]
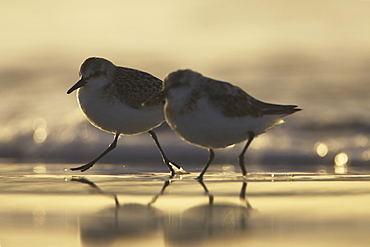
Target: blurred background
[(315, 54)]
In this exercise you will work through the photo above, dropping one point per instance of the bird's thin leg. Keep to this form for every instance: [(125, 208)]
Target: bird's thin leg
[(241, 156), (210, 158), (91, 163), (169, 163)]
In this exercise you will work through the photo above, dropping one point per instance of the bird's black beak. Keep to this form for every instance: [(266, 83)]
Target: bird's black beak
[(161, 96), (79, 84)]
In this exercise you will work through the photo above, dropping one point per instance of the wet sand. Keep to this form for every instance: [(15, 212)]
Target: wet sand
[(43, 208)]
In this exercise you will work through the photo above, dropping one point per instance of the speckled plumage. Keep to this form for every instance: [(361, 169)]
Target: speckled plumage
[(129, 86), (229, 99), (234, 102)]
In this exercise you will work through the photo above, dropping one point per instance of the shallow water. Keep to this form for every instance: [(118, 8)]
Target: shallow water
[(56, 208)]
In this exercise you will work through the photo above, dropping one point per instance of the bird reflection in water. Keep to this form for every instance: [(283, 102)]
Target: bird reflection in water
[(206, 221), (126, 223), (121, 222)]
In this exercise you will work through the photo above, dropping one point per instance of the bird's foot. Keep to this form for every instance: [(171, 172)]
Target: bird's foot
[(175, 169), (82, 168)]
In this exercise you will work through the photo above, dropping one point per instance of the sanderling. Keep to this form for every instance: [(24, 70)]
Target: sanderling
[(214, 114), (111, 97)]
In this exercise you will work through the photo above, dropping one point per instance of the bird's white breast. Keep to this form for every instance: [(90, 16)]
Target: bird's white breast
[(116, 116)]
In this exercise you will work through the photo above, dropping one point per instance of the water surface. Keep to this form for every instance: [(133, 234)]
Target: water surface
[(277, 209)]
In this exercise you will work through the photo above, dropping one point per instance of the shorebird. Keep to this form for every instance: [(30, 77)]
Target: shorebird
[(111, 98), (214, 114)]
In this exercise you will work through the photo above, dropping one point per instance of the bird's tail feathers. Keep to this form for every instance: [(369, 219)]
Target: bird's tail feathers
[(272, 109)]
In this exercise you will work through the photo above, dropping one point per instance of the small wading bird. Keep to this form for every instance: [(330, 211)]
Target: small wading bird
[(111, 97), (214, 114)]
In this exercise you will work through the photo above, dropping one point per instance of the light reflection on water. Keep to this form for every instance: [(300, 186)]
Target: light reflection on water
[(149, 209)]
